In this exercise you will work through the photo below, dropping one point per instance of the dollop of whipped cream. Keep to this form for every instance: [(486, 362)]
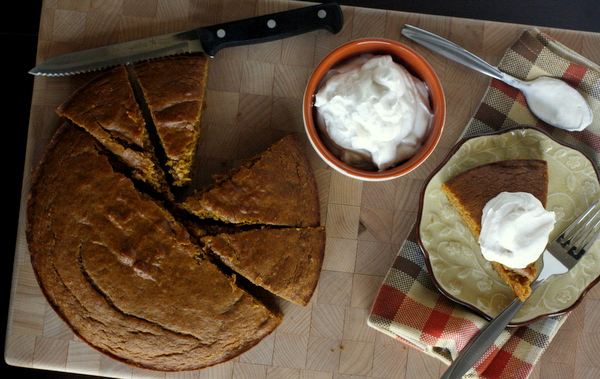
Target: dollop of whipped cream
[(559, 104), (515, 229), (373, 112)]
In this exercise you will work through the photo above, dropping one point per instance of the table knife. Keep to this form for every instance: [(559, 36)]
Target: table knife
[(207, 40)]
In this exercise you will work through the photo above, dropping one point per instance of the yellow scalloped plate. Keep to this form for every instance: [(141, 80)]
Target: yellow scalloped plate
[(452, 253)]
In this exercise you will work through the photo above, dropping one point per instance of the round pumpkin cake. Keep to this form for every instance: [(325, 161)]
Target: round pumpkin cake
[(122, 268)]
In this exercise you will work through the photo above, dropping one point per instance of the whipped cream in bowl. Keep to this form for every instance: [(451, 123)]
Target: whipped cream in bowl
[(374, 109), (515, 229), (373, 112)]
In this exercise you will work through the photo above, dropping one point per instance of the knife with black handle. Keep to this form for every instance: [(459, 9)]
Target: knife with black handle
[(207, 40)]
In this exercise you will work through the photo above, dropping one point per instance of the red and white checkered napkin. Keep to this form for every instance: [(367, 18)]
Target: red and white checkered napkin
[(408, 307)]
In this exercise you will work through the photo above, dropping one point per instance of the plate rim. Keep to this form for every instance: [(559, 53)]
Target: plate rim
[(438, 168)]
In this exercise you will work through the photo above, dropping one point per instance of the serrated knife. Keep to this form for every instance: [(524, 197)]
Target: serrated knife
[(207, 40)]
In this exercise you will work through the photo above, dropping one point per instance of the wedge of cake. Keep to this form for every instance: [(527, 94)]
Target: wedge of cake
[(277, 187), (106, 107), (123, 273), (173, 89), (285, 261), (471, 190)]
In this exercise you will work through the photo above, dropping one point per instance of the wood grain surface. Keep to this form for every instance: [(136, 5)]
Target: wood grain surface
[(254, 96)]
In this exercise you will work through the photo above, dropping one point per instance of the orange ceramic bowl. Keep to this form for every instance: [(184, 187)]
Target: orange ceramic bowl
[(415, 64)]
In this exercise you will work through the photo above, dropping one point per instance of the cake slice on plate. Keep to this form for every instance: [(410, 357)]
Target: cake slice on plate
[(106, 107), (472, 189), (277, 187), (173, 90), (285, 261)]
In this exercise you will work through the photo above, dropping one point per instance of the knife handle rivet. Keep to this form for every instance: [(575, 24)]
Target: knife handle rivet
[(271, 23), (221, 33), (322, 13)]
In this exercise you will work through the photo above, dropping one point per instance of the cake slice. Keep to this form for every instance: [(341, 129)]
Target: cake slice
[(277, 187), (173, 90), (106, 107), (285, 261), (470, 191)]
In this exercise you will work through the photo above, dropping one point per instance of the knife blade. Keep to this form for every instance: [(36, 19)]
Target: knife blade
[(207, 40)]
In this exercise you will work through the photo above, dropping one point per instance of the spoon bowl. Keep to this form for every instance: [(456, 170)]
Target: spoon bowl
[(551, 100), (554, 102)]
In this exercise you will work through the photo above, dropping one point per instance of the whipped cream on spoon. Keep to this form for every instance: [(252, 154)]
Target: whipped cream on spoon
[(551, 100)]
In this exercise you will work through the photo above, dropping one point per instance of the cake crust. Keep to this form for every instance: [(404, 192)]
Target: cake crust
[(469, 191)]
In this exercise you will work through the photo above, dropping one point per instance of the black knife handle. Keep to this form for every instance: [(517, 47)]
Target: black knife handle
[(271, 27)]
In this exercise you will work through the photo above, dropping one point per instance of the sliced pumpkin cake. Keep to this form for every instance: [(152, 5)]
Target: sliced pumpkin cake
[(285, 261), (276, 187), (106, 107), (173, 89)]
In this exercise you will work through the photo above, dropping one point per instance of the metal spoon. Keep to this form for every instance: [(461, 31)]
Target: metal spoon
[(551, 100)]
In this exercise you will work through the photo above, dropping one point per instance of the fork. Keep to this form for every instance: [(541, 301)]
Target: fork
[(558, 258)]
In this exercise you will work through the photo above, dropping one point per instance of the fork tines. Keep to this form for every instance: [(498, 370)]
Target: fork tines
[(583, 232)]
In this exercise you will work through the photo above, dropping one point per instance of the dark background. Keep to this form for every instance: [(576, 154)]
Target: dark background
[(19, 29)]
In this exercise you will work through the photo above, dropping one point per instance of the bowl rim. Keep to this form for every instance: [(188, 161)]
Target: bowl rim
[(425, 253), (432, 81)]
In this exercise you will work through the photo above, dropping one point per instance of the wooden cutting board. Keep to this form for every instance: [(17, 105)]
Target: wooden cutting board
[(254, 97)]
